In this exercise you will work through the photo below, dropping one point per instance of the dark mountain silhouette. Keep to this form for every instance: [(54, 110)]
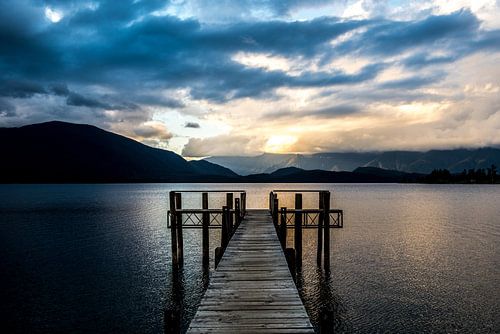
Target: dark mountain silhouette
[(204, 167), (55, 152), (362, 175), (405, 161), (66, 152)]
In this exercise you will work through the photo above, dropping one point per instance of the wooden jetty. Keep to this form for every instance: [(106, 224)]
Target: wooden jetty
[(252, 290)]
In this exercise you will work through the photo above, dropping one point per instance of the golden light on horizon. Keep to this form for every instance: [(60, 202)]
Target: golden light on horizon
[(279, 143)]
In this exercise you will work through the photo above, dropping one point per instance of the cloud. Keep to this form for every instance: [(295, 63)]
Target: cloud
[(319, 113), (192, 125), (413, 82), (122, 65), (59, 89), (20, 88), (7, 109), (75, 99), (152, 130), (222, 145)]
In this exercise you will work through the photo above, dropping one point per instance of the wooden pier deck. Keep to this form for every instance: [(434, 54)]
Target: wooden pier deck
[(252, 290)]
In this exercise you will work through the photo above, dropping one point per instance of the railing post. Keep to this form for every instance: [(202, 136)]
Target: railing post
[(275, 213), (290, 259), (229, 204), (243, 203), (218, 256), (173, 230), (205, 232), (225, 228), (180, 238), (320, 228), (326, 226), (237, 212), (282, 229), (298, 231), (271, 196)]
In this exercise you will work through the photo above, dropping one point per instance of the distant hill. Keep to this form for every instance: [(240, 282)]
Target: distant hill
[(405, 161), (58, 152), (66, 152), (360, 175), (204, 167)]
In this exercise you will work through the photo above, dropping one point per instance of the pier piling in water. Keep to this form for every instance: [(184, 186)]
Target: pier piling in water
[(173, 231), (205, 231), (326, 226), (298, 232), (237, 213), (282, 229), (229, 204), (321, 214), (180, 237)]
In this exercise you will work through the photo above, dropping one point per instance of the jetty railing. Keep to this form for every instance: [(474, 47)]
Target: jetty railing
[(227, 219), (323, 219)]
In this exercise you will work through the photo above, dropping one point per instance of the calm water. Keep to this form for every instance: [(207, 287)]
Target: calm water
[(95, 258)]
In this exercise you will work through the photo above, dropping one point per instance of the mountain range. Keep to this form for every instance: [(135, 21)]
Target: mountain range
[(58, 152), (455, 161), (67, 152)]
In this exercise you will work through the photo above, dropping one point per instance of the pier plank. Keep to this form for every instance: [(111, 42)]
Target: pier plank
[(252, 290)]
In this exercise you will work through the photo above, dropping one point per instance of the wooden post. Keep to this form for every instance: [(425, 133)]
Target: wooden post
[(320, 228), (243, 203), (326, 226), (229, 203), (271, 196), (298, 231), (173, 230), (237, 212), (218, 255), (205, 232), (172, 321), (180, 238), (283, 228), (326, 322), (290, 259), (224, 239), (275, 213)]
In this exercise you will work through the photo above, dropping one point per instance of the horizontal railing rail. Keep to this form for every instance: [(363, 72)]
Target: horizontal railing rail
[(298, 191), (210, 191), (193, 218), (311, 217)]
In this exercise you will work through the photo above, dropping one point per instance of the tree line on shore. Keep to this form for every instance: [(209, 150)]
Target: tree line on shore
[(480, 175)]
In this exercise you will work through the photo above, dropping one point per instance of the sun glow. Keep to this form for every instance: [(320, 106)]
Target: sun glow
[(53, 15), (279, 143)]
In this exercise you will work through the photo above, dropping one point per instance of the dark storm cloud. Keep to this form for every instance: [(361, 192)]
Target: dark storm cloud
[(20, 88), (393, 37), (6, 108), (120, 46), (192, 125), (59, 89), (321, 113), (78, 100), (423, 59), (275, 8), (158, 100), (412, 82)]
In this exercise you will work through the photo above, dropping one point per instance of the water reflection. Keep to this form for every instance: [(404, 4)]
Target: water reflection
[(96, 258)]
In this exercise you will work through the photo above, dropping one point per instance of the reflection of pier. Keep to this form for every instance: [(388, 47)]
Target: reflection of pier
[(253, 289)]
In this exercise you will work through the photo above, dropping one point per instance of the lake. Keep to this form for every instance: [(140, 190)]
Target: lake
[(96, 258)]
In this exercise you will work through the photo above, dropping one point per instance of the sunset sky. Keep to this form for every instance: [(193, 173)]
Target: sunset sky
[(244, 77)]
